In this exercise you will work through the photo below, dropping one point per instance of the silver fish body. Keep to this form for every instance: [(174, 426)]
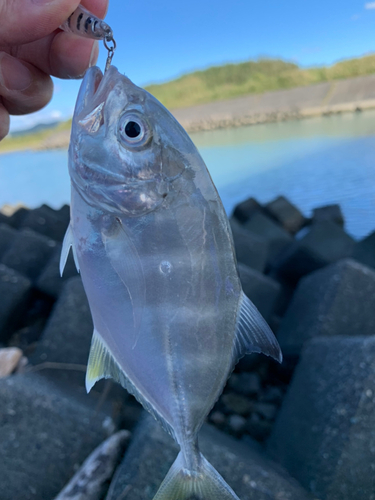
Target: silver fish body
[(155, 252)]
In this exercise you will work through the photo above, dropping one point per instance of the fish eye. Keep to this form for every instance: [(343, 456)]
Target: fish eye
[(133, 130)]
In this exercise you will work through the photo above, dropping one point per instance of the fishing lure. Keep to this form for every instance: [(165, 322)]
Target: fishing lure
[(83, 23)]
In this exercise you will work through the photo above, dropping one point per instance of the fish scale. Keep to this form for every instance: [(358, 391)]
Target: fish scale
[(155, 251)]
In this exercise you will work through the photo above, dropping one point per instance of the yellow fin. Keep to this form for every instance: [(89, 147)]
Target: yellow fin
[(102, 364)]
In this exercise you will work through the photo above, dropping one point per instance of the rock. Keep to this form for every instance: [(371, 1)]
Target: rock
[(7, 235), (246, 209), (265, 410), (4, 219), (275, 236), (251, 250), (62, 352), (364, 251), (9, 359), (272, 394), (28, 253), (91, 481), (235, 403), (67, 336), (330, 213), (17, 217), (248, 472), (25, 338), (258, 428), (14, 292), (324, 434), (50, 282), (218, 418), (248, 384), (250, 362), (237, 424), (336, 300), (33, 320), (64, 214), (286, 214), (324, 244), (262, 290), (44, 437), (46, 221)]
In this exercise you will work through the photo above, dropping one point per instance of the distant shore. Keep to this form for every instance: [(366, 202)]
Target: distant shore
[(339, 96)]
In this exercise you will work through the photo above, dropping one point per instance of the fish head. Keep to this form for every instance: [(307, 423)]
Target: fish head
[(126, 150)]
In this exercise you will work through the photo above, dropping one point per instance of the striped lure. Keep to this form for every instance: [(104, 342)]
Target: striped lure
[(81, 22)]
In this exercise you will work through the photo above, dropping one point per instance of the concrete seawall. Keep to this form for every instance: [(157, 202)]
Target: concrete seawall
[(301, 102)]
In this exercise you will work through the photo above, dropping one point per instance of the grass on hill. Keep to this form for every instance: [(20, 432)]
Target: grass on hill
[(234, 80), (225, 82), (32, 140)]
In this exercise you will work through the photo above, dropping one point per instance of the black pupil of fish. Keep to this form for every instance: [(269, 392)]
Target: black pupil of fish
[(132, 129)]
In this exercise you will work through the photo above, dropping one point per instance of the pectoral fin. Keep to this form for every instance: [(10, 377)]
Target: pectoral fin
[(125, 260), (67, 243), (253, 334)]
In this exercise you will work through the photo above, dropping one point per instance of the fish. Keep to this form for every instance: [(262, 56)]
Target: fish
[(154, 248)]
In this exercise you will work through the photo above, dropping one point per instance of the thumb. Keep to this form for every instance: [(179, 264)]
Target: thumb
[(24, 21)]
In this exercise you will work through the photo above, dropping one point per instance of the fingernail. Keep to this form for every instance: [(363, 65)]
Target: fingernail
[(14, 74), (94, 54)]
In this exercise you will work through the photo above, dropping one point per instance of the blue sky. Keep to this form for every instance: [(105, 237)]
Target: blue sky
[(159, 40)]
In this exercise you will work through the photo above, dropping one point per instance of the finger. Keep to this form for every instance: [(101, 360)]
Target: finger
[(97, 7), (24, 88), (23, 22), (70, 56), (4, 121), (60, 54)]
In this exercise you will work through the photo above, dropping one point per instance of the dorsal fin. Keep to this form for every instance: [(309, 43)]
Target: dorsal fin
[(67, 243), (253, 333), (102, 364)]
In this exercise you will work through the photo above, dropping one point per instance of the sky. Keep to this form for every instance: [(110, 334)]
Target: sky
[(160, 40)]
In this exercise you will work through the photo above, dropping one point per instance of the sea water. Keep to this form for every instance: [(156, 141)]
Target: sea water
[(312, 162)]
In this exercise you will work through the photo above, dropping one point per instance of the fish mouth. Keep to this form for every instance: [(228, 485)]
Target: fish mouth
[(95, 89)]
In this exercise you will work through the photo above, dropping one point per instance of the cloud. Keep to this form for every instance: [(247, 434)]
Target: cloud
[(355, 17), (27, 121), (370, 5)]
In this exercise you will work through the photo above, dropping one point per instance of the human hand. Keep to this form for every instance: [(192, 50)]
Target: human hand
[(32, 48)]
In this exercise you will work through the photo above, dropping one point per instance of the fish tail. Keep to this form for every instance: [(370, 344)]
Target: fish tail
[(203, 484)]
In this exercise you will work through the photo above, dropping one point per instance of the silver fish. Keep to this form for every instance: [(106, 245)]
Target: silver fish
[(155, 252)]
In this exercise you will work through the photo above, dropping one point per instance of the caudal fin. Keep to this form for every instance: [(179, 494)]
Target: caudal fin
[(205, 484)]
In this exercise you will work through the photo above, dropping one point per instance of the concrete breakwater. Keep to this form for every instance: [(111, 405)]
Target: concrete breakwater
[(296, 431), (354, 94)]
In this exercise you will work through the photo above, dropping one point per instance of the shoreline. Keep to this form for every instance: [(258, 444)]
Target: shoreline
[(322, 99)]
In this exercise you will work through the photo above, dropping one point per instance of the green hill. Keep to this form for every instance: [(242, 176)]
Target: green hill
[(233, 80)]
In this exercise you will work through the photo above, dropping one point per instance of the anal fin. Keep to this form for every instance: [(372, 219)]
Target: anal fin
[(102, 364), (67, 243), (253, 333)]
